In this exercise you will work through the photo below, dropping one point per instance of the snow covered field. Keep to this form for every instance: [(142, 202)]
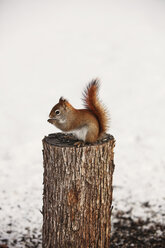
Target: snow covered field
[(53, 48)]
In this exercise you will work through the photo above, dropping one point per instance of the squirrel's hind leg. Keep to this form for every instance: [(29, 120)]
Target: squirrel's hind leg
[(79, 143)]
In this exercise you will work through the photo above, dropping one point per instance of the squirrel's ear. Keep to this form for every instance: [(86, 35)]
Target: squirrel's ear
[(62, 101)]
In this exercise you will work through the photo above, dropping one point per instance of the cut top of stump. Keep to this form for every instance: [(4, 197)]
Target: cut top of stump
[(68, 140)]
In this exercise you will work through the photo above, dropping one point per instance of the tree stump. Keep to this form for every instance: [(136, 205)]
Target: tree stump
[(77, 192)]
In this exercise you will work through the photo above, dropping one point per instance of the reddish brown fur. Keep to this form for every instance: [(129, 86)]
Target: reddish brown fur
[(92, 103), (94, 117)]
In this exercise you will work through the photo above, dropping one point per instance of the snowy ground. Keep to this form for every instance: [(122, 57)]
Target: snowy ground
[(53, 48)]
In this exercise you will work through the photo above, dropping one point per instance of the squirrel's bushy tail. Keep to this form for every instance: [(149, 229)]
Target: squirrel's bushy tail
[(92, 102)]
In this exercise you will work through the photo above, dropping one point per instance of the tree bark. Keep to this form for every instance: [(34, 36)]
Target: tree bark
[(77, 192)]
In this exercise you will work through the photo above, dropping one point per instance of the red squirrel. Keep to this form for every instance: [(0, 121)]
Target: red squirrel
[(87, 125)]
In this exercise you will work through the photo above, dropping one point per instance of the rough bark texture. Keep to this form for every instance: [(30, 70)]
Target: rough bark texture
[(77, 193)]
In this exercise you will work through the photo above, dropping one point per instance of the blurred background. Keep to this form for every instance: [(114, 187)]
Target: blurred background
[(54, 48)]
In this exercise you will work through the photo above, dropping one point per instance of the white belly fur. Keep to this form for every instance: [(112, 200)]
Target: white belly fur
[(80, 133)]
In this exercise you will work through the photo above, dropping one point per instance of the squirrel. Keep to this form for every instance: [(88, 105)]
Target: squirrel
[(89, 124)]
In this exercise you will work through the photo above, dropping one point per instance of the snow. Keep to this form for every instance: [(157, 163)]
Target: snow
[(51, 49)]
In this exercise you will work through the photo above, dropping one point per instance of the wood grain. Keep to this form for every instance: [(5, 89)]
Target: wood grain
[(77, 193)]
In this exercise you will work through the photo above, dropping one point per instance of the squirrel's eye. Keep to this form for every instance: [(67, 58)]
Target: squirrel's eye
[(57, 112)]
